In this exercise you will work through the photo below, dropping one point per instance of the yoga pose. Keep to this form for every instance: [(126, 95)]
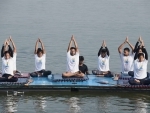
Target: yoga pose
[(140, 75), (73, 61), (14, 55), (40, 59), (82, 67), (103, 62), (7, 64), (126, 57)]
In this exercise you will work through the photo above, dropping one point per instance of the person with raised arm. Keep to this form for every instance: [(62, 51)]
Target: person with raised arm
[(73, 60), (7, 64), (126, 57), (103, 62), (14, 55), (140, 75), (40, 60)]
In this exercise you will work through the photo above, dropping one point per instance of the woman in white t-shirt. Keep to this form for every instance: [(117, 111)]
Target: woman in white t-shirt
[(73, 61), (7, 64), (103, 62), (40, 60), (126, 57), (14, 55), (141, 77)]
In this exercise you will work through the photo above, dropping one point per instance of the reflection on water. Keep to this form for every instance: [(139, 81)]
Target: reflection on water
[(10, 104), (76, 103), (102, 104), (140, 106), (40, 104), (74, 107)]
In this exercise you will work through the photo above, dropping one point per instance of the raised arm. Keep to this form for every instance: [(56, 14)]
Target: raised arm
[(99, 52), (13, 44), (8, 48), (136, 53), (3, 49), (107, 51), (131, 46), (106, 48), (69, 46), (2, 52), (36, 47), (42, 45), (137, 44), (120, 47), (75, 44), (144, 50)]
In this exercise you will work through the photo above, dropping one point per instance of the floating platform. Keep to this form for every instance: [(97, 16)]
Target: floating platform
[(58, 83)]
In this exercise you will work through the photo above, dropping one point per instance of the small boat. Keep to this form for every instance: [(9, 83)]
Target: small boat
[(56, 82)]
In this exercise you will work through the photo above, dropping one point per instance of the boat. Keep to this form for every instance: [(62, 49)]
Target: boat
[(56, 82)]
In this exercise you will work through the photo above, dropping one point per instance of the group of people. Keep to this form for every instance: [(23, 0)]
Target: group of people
[(134, 63)]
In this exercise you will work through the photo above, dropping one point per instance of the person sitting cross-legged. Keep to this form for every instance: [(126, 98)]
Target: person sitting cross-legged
[(73, 61), (126, 57), (103, 62), (7, 64), (40, 59), (140, 75)]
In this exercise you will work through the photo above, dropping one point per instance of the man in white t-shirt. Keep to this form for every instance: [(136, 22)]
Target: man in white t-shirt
[(7, 65), (103, 62), (126, 58), (40, 60), (73, 61)]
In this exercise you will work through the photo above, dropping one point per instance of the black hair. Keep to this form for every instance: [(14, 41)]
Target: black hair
[(6, 52), (73, 48), (39, 50), (140, 54), (103, 51), (127, 49), (81, 58)]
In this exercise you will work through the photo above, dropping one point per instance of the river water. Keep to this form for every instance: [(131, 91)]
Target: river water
[(91, 22)]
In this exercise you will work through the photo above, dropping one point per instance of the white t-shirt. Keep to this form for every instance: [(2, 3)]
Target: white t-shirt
[(127, 63), (140, 69), (14, 57), (40, 62), (72, 62), (7, 66), (103, 63)]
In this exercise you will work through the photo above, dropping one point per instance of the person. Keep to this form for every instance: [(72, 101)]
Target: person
[(126, 57), (14, 55), (103, 62), (73, 61), (40, 59), (140, 75), (82, 67), (7, 64)]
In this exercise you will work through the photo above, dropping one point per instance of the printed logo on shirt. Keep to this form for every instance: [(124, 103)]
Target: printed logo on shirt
[(7, 65), (103, 62), (73, 60), (40, 61), (141, 67), (126, 60)]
